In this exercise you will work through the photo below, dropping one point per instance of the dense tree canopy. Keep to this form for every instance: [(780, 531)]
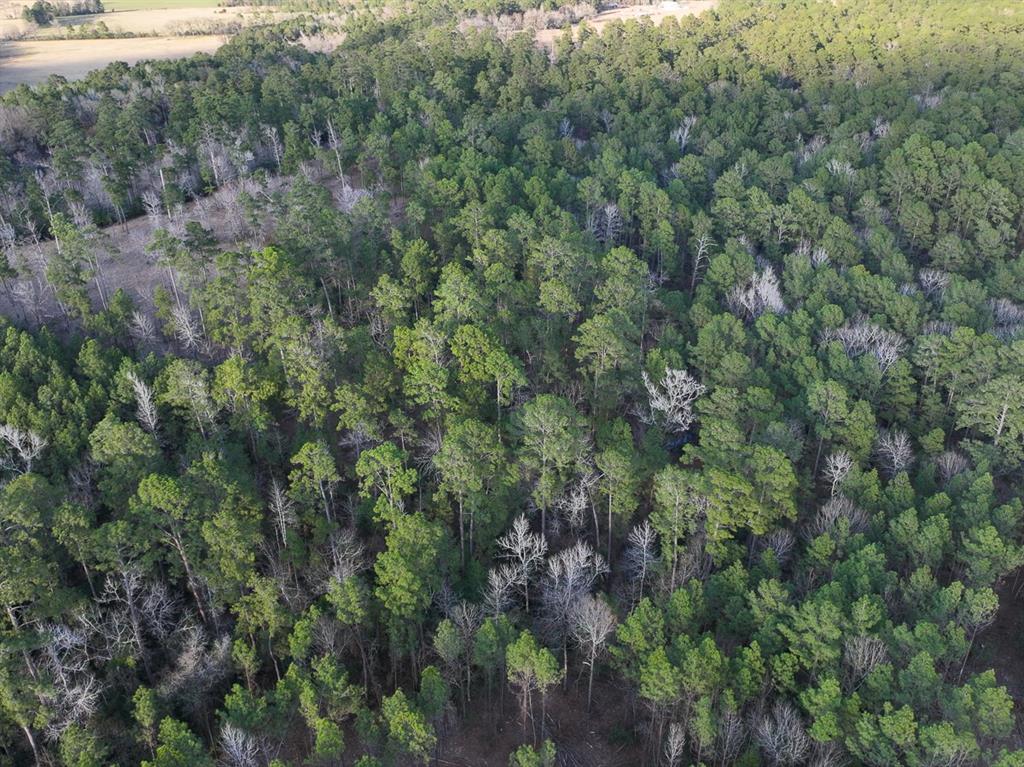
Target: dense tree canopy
[(674, 373)]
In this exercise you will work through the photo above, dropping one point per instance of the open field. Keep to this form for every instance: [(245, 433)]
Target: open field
[(170, 21), (156, 5), (32, 61), (656, 13)]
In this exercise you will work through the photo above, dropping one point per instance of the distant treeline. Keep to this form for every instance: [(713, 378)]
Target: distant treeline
[(43, 12)]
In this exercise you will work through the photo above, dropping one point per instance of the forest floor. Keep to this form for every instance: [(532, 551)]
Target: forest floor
[(122, 257), (580, 737), (656, 13), (1001, 647)]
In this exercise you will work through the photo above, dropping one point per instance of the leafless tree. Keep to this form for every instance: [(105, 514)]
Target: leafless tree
[(238, 747), (502, 582), (837, 467), (838, 510), (606, 224), (933, 282), (592, 623), (806, 151), (187, 329), (639, 557), (274, 140), (335, 145), (829, 755), (895, 451), (950, 463), (781, 735), (863, 337), (74, 692), (153, 206), (570, 575), (282, 511), (145, 405), (25, 445), (780, 542), (861, 655), (701, 250), (681, 134), (840, 168), (200, 664), (1009, 318), (760, 294), (525, 551), (673, 398), (347, 555), (675, 745), (142, 328), (937, 328), (730, 738)]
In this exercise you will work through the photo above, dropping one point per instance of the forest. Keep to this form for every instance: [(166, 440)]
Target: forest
[(657, 399)]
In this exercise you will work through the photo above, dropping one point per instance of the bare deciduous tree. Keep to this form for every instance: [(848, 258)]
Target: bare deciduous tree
[(145, 405), (606, 224), (502, 582), (729, 738), (199, 665), (525, 550), (861, 655), (681, 134), (187, 329), (760, 294), (592, 623), (673, 398), (933, 282), (142, 328), (570, 575), (863, 337), (282, 511), (675, 745), (640, 556), (781, 735), (837, 510), (895, 451), (26, 446), (238, 747), (837, 467), (950, 463), (830, 755)]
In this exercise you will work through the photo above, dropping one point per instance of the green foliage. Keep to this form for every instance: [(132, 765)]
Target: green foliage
[(735, 300)]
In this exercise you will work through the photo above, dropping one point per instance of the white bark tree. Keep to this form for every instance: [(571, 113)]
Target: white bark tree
[(673, 398), (25, 447), (145, 404), (781, 735), (895, 451), (592, 623), (525, 551), (837, 468)]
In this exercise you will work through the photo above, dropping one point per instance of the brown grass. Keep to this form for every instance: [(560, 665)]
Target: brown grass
[(32, 61)]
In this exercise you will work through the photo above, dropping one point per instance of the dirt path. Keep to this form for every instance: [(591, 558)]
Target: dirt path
[(656, 13)]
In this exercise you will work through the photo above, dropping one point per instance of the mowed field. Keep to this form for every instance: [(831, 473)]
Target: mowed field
[(153, 5), (32, 61), (165, 29)]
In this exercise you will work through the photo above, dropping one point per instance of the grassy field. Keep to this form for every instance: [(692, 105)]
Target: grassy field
[(32, 61), (152, 5)]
